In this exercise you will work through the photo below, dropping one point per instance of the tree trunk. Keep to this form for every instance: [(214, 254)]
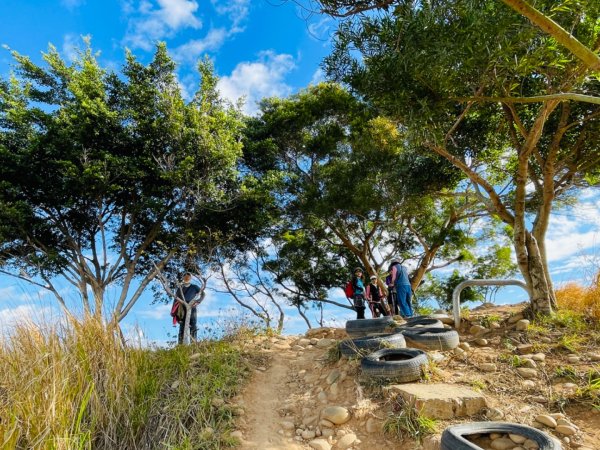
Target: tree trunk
[(531, 265)]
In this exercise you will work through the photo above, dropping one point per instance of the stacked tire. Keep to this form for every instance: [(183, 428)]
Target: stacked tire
[(394, 361)]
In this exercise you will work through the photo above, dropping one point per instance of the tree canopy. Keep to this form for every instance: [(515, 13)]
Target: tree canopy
[(102, 174), (480, 87)]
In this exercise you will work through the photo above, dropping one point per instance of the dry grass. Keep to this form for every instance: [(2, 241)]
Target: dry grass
[(581, 299), (77, 387)]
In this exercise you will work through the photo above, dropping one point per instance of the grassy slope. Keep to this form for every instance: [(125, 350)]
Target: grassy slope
[(78, 388)]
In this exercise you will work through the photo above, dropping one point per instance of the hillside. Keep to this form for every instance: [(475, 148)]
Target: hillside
[(298, 377)]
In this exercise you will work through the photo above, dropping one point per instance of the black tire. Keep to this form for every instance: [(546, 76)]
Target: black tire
[(363, 346), (402, 364), (422, 322), (452, 437), (364, 327), (431, 338)]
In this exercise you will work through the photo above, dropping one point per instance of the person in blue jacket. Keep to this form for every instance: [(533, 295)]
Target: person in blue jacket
[(358, 299), (401, 283)]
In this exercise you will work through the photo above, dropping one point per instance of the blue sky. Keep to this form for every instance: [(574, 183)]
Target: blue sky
[(260, 48)]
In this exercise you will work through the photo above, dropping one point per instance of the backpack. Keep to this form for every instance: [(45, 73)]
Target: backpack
[(349, 290)]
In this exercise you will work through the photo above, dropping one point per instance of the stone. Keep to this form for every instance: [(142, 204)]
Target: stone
[(495, 435), (320, 444), (237, 434), (517, 438), (346, 441), (333, 376), (460, 352), (326, 423), (539, 357), (373, 425), (439, 400), (325, 343), (334, 390), (488, 367), (304, 342), (494, 414), (494, 325), (595, 357), (327, 432), (322, 397), (465, 346), (529, 384), (297, 348), (515, 318), (287, 425), (566, 430), (314, 341), (527, 373), (309, 420), (530, 363), (481, 342), (217, 402), (477, 330), (530, 444), (522, 325), (545, 340), (432, 443), (336, 414), (562, 421), (573, 359), (546, 419), (308, 434), (524, 348), (502, 444), (436, 357), (175, 385)]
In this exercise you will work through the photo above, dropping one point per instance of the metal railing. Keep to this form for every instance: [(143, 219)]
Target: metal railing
[(467, 283)]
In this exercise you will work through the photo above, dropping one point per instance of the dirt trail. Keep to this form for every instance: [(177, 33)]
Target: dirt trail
[(263, 398)]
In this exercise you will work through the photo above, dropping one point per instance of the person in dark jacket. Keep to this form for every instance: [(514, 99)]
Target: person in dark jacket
[(358, 299), (375, 298), (188, 292)]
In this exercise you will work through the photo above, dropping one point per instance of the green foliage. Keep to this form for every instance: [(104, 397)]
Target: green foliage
[(486, 321), (103, 174), (406, 421)]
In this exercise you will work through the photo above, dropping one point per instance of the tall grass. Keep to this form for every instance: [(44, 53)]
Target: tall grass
[(77, 387), (581, 299)]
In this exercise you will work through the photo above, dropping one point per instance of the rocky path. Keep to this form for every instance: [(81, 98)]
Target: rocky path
[(263, 398), (299, 400)]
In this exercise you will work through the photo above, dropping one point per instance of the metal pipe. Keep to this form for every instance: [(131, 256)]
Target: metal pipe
[(466, 283)]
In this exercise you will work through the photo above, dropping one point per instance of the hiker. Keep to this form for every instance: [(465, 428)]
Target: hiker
[(399, 279), (187, 292), (358, 297), (391, 297), (375, 298)]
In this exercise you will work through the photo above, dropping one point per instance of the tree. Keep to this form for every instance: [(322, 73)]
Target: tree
[(354, 187), (102, 174), (348, 8), (467, 83)]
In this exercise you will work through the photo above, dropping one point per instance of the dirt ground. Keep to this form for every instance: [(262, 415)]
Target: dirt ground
[(283, 401)]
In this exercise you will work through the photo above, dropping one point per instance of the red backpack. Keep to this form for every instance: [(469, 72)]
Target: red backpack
[(349, 290)]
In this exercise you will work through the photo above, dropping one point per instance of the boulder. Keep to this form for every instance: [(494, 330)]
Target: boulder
[(336, 414)]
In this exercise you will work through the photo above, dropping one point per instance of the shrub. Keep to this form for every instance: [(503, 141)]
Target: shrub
[(580, 299)]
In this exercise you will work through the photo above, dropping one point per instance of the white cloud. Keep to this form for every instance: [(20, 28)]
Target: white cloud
[(237, 10), (318, 76), (70, 46), (256, 80), (24, 314), (156, 312), (192, 50), (72, 4), (151, 24), (321, 30)]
